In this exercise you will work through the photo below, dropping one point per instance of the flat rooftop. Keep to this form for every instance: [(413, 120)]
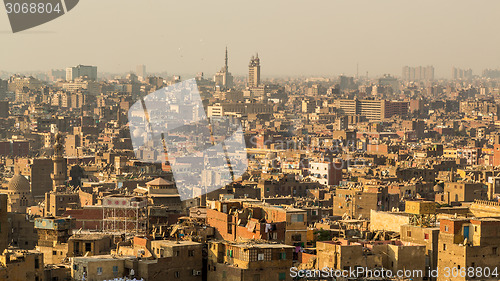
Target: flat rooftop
[(173, 243)]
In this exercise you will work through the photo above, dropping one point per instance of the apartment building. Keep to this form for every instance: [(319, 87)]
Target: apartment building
[(235, 220), (249, 261), (469, 243), (373, 110)]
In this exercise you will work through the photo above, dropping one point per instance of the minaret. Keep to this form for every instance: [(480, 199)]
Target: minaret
[(223, 78), (59, 174), (118, 117), (165, 166), (226, 67)]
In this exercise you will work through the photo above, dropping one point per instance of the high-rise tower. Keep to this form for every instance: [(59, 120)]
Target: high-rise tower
[(141, 71), (254, 72)]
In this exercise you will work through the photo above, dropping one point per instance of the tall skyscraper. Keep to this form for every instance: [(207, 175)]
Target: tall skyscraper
[(419, 73), (459, 73), (141, 71), (81, 71), (254, 72), (223, 78)]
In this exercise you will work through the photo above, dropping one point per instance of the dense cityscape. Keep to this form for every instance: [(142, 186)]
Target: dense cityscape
[(392, 177)]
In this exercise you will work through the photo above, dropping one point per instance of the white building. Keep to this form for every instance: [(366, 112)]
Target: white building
[(326, 173)]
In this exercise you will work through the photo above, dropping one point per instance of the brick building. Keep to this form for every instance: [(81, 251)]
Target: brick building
[(249, 261), (235, 220), (465, 243)]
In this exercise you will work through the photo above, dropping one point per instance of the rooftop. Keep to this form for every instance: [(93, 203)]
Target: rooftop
[(159, 181), (173, 243)]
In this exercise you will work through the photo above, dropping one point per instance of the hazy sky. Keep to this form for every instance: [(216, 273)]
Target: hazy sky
[(293, 37)]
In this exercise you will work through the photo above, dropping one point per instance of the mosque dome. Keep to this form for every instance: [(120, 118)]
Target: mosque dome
[(438, 188), (18, 183)]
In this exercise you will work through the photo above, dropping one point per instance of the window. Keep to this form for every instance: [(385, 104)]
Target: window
[(191, 253), (54, 253), (99, 270), (37, 263), (177, 274), (426, 236), (494, 250), (88, 247), (444, 247), (75, 267), (282, 256), (408, 233), (115, 269), (256, 277), (177, 253), (298, 218), (297, 237), (282, 276), (445, 228)]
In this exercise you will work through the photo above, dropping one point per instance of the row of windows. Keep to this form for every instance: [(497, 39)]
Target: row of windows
[(163, 187), (177, 253), (254, 255), (99, 269), (317, 168)]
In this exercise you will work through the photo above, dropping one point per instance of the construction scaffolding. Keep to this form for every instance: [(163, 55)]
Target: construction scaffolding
[(124, 215)]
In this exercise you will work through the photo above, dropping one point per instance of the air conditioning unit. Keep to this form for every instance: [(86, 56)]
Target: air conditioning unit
[(196, 272)]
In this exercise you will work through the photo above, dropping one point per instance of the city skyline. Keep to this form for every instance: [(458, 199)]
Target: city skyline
[(329, 38), (417, 73)]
